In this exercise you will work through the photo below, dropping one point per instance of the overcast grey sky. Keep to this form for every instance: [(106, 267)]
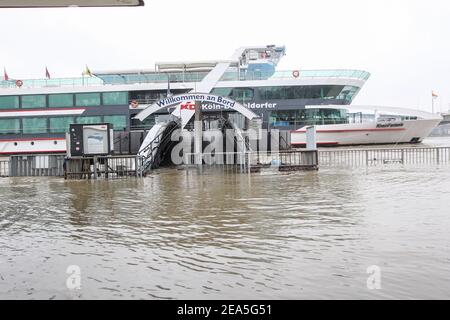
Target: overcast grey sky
[(405, 44)]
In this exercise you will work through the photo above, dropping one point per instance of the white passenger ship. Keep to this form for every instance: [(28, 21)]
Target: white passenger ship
[(371, 125), (35, 114)]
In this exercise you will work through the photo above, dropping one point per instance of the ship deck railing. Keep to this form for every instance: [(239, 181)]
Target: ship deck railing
[(183, 77)]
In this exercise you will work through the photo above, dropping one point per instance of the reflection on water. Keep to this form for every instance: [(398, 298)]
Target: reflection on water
[(175, 234)]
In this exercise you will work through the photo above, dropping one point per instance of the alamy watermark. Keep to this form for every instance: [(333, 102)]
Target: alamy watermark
[(73, 282), (222, 146)]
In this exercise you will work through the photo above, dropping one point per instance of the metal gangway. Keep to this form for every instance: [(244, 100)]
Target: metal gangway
[(155, 143), (151, 144)]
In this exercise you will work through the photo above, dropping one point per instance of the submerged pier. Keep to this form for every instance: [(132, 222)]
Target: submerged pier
[(122, 167)]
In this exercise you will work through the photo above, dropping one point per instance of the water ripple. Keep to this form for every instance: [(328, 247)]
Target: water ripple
[(179, 235)]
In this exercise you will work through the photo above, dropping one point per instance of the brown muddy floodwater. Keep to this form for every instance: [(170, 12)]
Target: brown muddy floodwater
[(179, 235)]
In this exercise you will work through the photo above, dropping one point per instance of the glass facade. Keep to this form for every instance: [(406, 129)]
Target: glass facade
[(60, 100), (63, 100), (9, 102), (35, 101), (154, 77), (325, 92), (60, 124), (305, 117), (87, 99), (34, 125), (187, 76), (242, 94), (287, 74), (89, 120), (55, 124), (119, 122), (9, 126), (115, 98)]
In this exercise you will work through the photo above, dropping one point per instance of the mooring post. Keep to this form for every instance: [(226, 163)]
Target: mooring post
[(198, 135), (95, 167), (311, 143)]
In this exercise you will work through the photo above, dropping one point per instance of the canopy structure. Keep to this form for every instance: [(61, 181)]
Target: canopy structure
[(185, 104)]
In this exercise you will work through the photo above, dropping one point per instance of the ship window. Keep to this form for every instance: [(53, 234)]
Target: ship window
[(34, 125), (300, 118), (8, 126), (325, 92), (37, 101), (60, 100), (115, 98), (87, 99), (224, 92), (119, 122), (9, 102), (89, 120), (60, 124), (242, 94), (283, 118), (300, 92)]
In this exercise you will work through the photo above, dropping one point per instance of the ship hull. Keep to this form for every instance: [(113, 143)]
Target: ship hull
[(409, 131)]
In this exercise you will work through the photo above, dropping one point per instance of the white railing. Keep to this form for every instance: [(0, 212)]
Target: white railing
[(385, 156)]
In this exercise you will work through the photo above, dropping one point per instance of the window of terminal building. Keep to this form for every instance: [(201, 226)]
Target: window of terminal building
[(9, 126), (9, 102), (115, 98), (60, 124), (34, 125), (60, 100), (119, 122), (34, 101), (87, 99), (89, 120)]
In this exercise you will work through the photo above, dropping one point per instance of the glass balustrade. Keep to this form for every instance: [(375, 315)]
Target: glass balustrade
[(175, 77)]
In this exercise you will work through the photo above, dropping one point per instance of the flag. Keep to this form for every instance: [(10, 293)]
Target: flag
[(47, 74), (434, 94), (5, 75), (87, 72)]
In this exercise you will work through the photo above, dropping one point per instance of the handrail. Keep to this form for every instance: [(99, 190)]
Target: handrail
[(148, 152), (183, 77)]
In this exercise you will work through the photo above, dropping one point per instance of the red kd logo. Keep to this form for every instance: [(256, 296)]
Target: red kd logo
[(188, 106)]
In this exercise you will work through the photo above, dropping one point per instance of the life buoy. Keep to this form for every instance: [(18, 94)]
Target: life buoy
[(296, 73), (134, 104), (19, 83)]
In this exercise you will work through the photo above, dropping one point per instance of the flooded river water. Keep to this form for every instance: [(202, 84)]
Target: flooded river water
[(179, 235)]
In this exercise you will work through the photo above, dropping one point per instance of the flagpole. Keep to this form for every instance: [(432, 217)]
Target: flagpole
[(432, 103)]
